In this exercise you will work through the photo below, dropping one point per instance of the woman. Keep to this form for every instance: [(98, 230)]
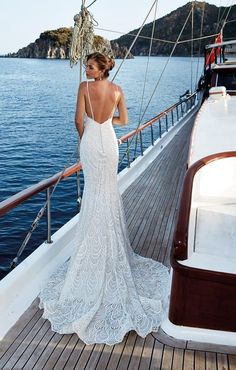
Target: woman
[(104, 290)]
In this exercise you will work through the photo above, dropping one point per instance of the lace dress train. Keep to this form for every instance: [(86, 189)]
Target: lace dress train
[(104, 290)]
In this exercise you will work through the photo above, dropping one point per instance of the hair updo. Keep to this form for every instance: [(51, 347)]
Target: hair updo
[(104, 62)]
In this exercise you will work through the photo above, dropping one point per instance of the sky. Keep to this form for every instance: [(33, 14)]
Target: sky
[(22, 21)]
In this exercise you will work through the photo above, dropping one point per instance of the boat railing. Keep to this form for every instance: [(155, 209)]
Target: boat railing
[(180, 242), (159, 125), (169, 117)]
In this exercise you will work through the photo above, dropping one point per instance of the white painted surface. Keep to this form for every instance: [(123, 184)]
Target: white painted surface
[(215, 128), (199, 335), (212, 222), (20, 287), (211, 262)]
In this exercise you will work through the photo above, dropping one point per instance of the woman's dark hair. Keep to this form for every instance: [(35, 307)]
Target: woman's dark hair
[(104, 62)]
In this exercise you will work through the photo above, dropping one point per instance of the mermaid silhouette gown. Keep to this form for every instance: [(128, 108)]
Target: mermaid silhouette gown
[(104, 290)]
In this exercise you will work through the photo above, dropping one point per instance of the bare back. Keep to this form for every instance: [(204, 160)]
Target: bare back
[(104, 97)]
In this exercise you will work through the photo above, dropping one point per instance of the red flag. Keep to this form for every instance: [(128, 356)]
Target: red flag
[(210, 58)]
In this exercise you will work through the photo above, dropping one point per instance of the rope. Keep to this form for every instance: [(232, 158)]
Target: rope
[(176, 43), (83, 36), (199, 50), (225, 9), (127, 53), (225, 21), (191, 82), (145, 78), (173, 49), (133, 34)]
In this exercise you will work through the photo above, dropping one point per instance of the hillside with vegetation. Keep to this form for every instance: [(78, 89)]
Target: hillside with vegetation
[(169, 28), (55, 44)]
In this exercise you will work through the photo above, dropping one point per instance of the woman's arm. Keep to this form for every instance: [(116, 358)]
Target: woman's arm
[(80, 110), (122, 119)]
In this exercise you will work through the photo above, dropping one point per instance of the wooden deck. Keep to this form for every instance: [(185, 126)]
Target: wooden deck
[(150, 205)]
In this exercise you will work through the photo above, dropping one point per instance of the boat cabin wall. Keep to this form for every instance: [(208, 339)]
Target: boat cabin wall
[(213, 207)]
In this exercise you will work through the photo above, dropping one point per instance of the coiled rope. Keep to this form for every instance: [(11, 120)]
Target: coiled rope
[(83, 36)]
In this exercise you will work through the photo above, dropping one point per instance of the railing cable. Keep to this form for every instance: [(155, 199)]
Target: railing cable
[(39, 216)]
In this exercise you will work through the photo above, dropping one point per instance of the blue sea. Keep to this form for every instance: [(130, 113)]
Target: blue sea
[(38, 136)]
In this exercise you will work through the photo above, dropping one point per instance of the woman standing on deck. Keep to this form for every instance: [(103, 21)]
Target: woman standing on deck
[(104, 290)]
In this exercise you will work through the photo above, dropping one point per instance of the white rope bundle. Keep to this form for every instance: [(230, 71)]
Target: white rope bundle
[(83, 36)]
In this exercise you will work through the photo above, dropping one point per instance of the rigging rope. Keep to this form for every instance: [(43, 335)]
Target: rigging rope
[(173, 49), (145, 77), (199, 49), (167, 62), (191, 82), (225, 9), (132, 44)]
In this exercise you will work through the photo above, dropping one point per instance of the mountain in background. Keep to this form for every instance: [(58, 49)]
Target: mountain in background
[(55, 44), (169, 28)]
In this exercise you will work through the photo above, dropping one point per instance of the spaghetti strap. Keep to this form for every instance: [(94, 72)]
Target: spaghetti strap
[(90, 104)]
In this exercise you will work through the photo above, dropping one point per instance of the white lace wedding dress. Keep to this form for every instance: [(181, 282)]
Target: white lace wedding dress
[(104, 290)]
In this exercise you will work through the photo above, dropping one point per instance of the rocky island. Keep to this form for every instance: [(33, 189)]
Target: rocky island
[(55, 44)]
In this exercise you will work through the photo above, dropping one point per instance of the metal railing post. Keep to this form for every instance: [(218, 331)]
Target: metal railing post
[(49, 239), (159, 128), (166, 122), (152, 138), (79, 198), (128, 154), (141, 142), (172, 117)]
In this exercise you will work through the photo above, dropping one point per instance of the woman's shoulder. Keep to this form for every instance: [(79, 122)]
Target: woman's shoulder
[(116, 87), (82, 85)]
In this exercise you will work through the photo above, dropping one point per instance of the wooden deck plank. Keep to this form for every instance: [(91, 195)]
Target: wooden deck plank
[(211, 363), (157, 356), (85, 355), (167, 357), (55, 354), (75, 355), (94, 358), (21, 340), (32, 361), (46, 353), (28, 352), (104, 358), (137, 354), (178, 359), (188, 360), (147, 353), (127, 352), (116, 354), (200, 360), (222, 361), (232, 362), (65, 353), (26, 320)]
